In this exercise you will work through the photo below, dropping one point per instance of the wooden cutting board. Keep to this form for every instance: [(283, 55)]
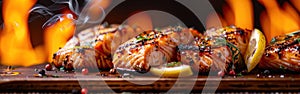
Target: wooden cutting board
[(59, 81)]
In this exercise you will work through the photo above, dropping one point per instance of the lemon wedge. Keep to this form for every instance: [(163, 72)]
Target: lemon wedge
[(178, 71), (255, 49)]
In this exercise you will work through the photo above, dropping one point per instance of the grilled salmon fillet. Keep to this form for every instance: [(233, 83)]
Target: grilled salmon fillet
[(283, 53), (96, 44), (152, 49), (234, 35), (211, 53)]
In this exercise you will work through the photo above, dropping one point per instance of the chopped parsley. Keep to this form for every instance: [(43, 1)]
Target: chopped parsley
[(173, 64), (142, 38)]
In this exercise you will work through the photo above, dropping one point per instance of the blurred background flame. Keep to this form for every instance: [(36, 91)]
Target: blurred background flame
[(278, 20), (276, 17), (17, 48)]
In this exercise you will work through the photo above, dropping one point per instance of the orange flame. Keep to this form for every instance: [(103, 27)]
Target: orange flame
[(296, 4), (16, 48), (275, 20), (243, 12), (278, 21), (237, 12), (58, 34)]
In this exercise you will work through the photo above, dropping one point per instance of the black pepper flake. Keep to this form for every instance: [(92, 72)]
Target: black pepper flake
[(202, 48), (258, 76), (75, 91), (65, 61), (119, 76), (266, 72), (112, 71), (127, 75), (103, 74), (42, 72)]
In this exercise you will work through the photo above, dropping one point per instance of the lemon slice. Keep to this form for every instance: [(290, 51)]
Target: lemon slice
[(255, 49), (178, 71)]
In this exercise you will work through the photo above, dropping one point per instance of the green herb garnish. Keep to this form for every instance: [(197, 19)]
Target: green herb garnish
[(282, 68), (239, 74), (220, 42), (173, 64), (273, 40), (142, 38)]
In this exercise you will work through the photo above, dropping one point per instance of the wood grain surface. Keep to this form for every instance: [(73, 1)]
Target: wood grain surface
[(66, 82)]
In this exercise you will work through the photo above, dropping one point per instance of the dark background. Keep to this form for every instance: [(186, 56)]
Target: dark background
[(38, 18)]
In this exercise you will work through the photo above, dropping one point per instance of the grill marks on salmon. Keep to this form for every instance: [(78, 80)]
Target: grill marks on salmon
[(283, 53), (152, 49), (103, 40), (131, 48), (209, 53), (237, 36)]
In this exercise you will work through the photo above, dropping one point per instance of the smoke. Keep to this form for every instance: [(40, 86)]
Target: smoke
[(91, 13), (57, 18), (87, 12), (40, 11), (73, 4)]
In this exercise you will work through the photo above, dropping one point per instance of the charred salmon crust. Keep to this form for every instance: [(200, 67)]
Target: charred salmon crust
[(100, 41), (211, 53), (283, 53), (152, 48), (234, 35)]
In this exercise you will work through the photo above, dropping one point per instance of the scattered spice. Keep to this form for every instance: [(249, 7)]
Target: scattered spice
[(85, 71), (112, 71), (37, 75), (55, 76), (119, 76), (10, 68), (103, 74), (270, 76), (48, 67), (127, 75), (221, 73), (42, 72), (282, 76), (266, 72), (231, 73), (84, 91), (234, 76), (173, 64), (239, 74), (36, 69), (75, 91), (244, 72), (62, 68), (258, 76)]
